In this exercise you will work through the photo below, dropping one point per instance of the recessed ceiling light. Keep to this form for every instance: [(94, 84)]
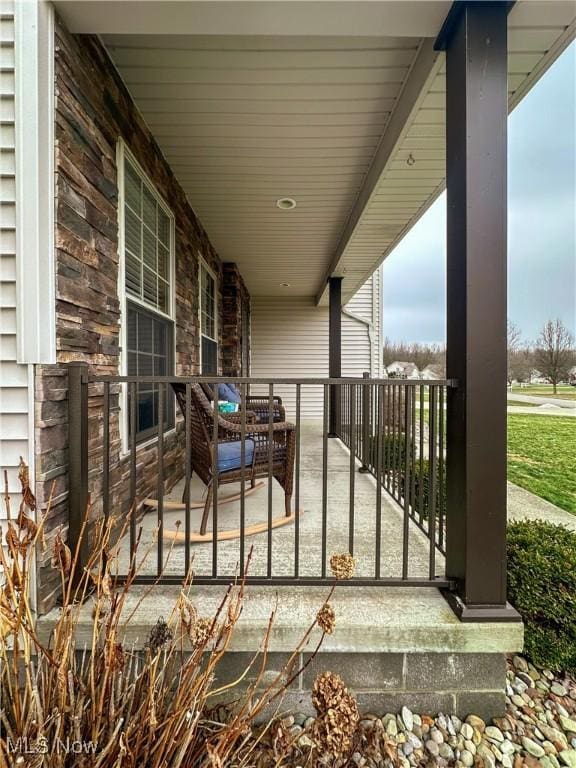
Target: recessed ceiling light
[(286, 203), (284, 285)]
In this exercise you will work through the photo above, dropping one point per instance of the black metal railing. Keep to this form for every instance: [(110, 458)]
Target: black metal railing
[(320, 496), (398, 431)]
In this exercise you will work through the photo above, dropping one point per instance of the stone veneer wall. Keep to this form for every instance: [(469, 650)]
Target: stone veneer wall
[(93, 111), (236, 302)]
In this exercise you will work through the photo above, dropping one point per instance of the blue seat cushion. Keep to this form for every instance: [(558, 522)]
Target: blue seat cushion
[(229, 455)]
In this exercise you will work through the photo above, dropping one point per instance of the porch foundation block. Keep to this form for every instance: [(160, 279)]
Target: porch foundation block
[(392, 646)]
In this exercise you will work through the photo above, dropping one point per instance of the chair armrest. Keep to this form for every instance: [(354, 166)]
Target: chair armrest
[(264, 399)]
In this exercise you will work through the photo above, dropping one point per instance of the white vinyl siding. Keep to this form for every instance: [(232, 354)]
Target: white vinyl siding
[(290, 339), (15, 379), (361, 338)]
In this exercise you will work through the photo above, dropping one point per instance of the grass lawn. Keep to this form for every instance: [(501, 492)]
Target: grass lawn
[(520, 404), (565, 391), (541, 451)]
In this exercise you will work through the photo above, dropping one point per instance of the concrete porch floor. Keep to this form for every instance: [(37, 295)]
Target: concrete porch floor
[(283, 539)]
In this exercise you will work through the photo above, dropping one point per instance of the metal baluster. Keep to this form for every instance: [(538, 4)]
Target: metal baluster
[(407, 450), (106, 452), (432, 482), (379, 447), (324, 479), (133, 428), (243, 401), (394, 442), (215, 431), (352, 476), (297, 489), (160, 563), (270, 460), (188, 476), (441, 520), (421, 459), (387, 456), (413, 453)]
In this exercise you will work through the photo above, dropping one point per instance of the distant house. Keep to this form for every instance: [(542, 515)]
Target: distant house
[(537, 378), (432, 372), (572, 376), (402, 370)]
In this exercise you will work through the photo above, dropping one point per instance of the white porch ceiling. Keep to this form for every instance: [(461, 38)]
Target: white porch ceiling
[(245, 121), (320, 102)]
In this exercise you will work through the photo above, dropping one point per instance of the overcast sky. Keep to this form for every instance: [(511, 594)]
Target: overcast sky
[(541, 225)]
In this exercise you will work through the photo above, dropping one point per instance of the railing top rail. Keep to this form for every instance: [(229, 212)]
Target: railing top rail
[(266, 381)]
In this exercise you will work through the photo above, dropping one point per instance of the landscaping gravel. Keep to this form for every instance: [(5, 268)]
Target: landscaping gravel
[(537, 730)]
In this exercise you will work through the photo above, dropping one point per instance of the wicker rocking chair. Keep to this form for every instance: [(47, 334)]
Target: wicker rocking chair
[(228, 460)]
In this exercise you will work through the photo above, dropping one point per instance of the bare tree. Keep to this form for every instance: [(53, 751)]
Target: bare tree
[(554, 352), (514, 338), (520, 365)]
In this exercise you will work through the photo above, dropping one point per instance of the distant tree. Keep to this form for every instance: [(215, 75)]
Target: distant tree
[(554, 352), (419, 354), (520, 365), (513, 343)]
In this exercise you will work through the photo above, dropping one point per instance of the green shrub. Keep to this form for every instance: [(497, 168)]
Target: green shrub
[(393, 448), (422, 488), (542, 588)]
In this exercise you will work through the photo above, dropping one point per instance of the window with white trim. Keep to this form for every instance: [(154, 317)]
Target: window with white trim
[(148, 245), (208, 321)]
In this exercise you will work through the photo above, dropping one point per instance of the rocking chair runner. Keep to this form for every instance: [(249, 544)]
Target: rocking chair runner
[(228, 459)]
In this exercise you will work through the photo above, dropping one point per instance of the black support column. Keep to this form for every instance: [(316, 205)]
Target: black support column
[(334, 351), (475, 40)]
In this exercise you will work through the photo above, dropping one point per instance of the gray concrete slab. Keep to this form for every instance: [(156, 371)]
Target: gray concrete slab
[(368, 619)]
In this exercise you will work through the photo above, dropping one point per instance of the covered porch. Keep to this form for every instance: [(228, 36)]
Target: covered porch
[(283, 150)]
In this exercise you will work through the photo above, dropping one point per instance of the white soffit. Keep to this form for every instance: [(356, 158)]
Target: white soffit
[(349, 18), (414, 173), (244, 121)]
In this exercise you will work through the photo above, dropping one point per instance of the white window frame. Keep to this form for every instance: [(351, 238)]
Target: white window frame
[(123, 153), (203, 264)]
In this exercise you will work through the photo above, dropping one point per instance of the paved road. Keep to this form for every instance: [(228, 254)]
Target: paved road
[(542, 400)]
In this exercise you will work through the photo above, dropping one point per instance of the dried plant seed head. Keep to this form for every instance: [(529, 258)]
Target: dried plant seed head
[(201, 633), (342, 566), (160, 636), (326, 618), (337, 718)]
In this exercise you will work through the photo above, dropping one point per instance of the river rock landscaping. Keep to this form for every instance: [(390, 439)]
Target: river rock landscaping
[(538, 730)]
